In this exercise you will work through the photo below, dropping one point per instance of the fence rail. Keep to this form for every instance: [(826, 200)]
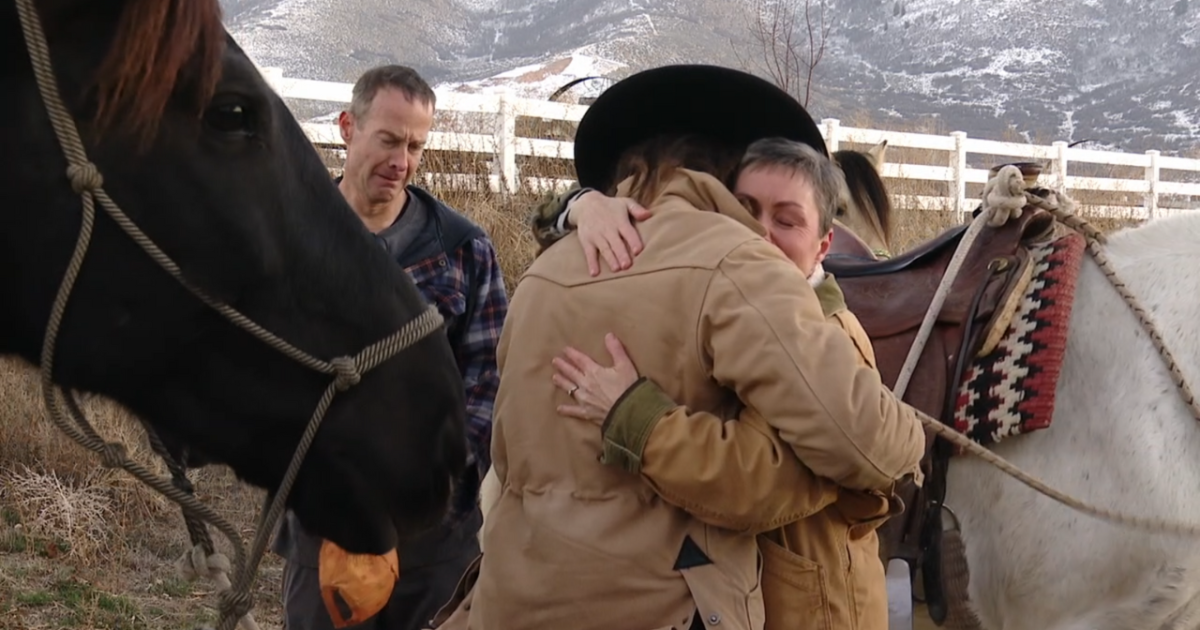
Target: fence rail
[(1157, 196)]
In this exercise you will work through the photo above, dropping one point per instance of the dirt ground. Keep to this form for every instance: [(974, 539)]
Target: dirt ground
[(39, 593), (44, 587)]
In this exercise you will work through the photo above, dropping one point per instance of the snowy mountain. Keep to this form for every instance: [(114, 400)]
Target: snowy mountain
[(1124, 73)]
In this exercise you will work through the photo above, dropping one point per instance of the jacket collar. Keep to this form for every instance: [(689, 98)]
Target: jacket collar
[(703, 192), (830, 295)]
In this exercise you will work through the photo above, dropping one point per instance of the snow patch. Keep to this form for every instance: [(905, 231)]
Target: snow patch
[(480, 6), (1190, 124), (540, 80)]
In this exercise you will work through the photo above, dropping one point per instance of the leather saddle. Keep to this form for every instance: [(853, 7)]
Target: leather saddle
[(848, 244), (890, 298)]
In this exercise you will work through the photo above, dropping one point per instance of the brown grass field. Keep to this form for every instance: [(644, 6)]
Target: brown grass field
[(84, 547)]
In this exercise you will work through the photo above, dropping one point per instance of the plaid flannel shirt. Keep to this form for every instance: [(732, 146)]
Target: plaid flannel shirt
[(446, 281)]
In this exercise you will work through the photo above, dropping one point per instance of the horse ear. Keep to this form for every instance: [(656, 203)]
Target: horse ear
[(878, 154)]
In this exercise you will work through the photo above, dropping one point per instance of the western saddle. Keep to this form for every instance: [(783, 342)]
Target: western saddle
[(847, 243), (890, 297)]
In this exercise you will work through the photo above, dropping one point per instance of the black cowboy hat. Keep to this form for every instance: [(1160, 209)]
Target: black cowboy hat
[(721, 103)]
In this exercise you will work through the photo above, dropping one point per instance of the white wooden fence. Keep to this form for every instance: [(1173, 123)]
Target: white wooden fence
[(1144, 197)]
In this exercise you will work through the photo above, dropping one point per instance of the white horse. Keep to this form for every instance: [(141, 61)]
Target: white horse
[(1121, 438)]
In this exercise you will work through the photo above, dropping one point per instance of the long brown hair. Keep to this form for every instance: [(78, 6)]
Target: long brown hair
[(652, 162)]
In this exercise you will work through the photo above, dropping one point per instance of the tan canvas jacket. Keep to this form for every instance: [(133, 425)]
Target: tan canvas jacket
[(821, 566)]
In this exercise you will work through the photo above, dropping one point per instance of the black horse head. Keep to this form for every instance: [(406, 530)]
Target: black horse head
[(197, 149)]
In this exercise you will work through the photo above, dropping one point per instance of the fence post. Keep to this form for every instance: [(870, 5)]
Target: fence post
[(1152, 180), (506, 143), (1060, 165), (831, 134), (273, 76), (958, 164)]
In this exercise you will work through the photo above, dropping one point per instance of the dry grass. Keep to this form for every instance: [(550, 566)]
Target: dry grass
[(51, 508), (84, 547)]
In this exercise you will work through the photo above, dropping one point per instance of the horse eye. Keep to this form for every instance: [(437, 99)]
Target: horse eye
[(841, 211), (228, 118)]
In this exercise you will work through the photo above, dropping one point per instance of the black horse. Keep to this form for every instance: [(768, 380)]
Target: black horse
[(207, 160)]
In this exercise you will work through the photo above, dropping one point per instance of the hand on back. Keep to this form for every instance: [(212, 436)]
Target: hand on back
[(595, 388), (605, 226)]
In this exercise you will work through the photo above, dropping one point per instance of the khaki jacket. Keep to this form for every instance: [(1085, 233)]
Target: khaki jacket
[(714, 314), (821, 566)]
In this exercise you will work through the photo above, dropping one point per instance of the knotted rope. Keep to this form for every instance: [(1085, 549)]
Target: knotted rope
[(1004, 203), (85, 179)]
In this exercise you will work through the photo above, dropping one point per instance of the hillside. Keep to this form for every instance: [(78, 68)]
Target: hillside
[(1123, 73)]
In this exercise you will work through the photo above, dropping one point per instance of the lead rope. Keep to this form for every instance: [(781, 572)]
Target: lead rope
[(236, 601), (1061, 207)]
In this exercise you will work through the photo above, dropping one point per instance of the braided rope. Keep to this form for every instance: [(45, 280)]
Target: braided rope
[(1136, 522), (85, 179), (1062, 208)]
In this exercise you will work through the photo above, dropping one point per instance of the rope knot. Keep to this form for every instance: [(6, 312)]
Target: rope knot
[(235, 605), (112, 454), (84, 177), (348, 374), (197, 563)]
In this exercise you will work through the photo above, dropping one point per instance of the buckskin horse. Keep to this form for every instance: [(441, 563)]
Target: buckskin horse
[(206, 162), (864, 218)]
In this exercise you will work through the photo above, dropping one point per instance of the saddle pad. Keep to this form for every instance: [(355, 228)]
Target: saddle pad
[(1010, 390)]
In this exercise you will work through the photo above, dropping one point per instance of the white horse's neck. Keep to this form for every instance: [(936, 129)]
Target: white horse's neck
[(1158, 262), (1173, 235)]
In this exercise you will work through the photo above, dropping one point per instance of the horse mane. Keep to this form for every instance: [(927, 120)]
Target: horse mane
[(159, 46), (866, 186), (1173, 234)]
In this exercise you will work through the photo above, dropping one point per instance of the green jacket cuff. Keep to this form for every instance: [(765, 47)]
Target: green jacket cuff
[(629, 423)]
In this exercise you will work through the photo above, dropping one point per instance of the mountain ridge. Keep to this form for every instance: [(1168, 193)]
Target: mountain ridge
[(1122, 73)]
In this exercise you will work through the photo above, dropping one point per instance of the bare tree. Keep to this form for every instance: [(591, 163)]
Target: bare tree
[(789, 39)]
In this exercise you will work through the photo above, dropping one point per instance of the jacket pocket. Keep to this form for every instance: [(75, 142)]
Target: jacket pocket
[(866, 583), (442, 285), (446, 295), (795, 590)]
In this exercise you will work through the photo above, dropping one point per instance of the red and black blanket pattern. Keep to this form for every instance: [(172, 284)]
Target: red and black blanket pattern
[(1010, 391)]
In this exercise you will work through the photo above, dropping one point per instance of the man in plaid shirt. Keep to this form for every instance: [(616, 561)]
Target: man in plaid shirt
[(454, 265)]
